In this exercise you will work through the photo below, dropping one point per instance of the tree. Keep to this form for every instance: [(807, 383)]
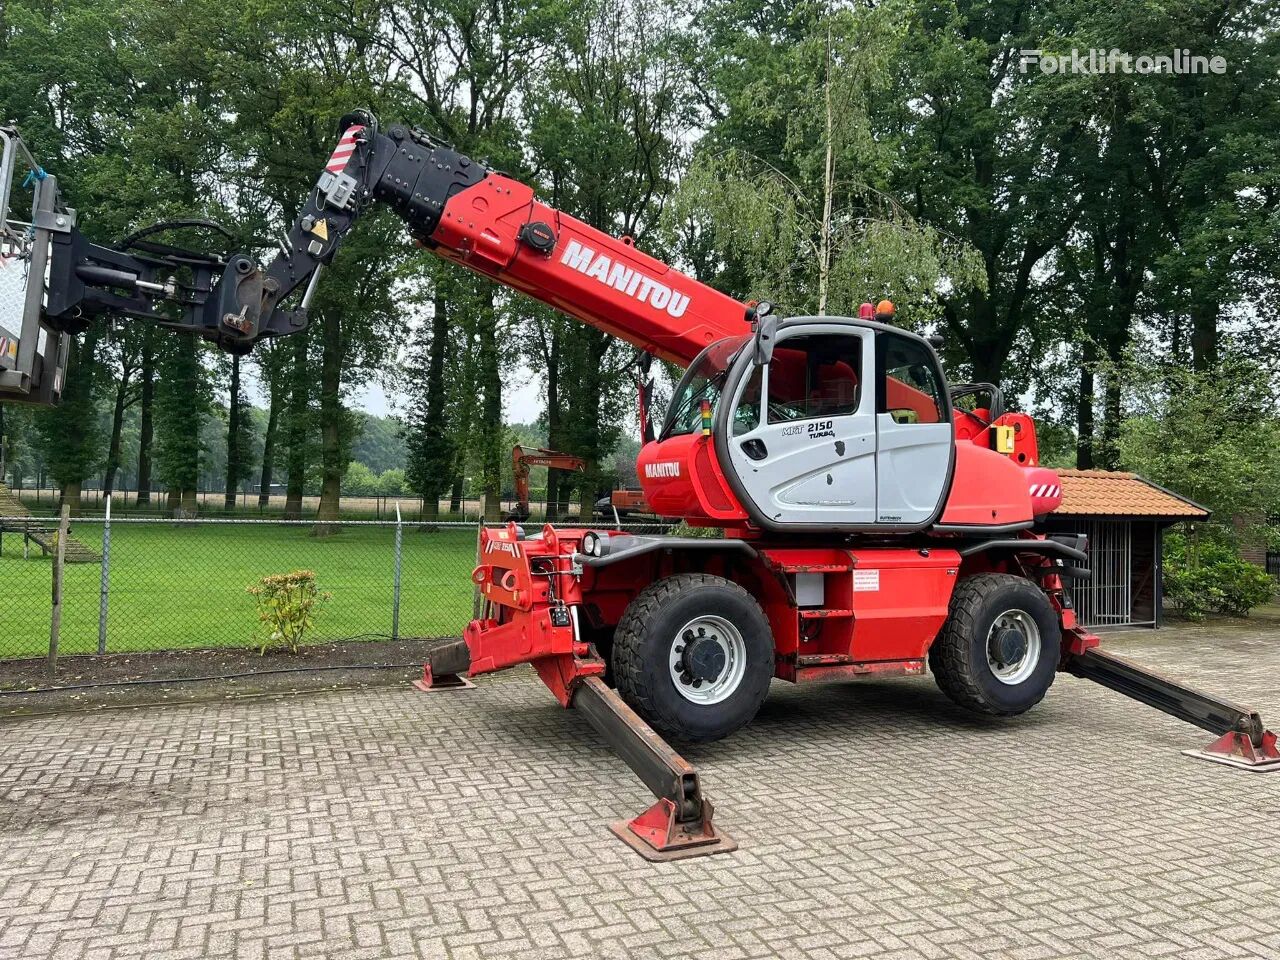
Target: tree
[(359, 480), (430, 443), (1212, 436), (126, 349), (299, 418), (789, 195), (607, 117), (990, 156), (239, 436), (272, 357), (182, 402), (378, 443), (71, 436), (464, 62)]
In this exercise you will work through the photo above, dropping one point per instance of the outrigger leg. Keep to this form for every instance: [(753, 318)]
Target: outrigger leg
[(678, 825), (1243, 741)]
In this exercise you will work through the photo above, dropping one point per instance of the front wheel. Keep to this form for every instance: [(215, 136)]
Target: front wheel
[(998, 651), (693, 655)]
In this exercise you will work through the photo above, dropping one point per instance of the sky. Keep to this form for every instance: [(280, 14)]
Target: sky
[(521, 395)]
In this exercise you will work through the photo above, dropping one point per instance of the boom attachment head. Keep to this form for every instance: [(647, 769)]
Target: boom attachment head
[(33, 353)]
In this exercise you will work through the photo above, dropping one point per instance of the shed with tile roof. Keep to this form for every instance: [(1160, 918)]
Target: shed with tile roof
[(1124, 516)]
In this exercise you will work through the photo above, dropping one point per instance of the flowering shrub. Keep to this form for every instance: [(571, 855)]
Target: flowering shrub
[(287, 605)]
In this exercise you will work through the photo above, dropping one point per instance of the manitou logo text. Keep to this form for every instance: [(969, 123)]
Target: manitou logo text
[(665, 468), (631, 282)]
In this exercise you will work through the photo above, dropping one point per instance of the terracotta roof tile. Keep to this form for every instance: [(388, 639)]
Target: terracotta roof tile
[(1104, 493)]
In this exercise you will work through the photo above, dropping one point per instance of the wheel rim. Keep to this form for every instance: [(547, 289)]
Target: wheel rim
[(1013, 647), (707, 660)]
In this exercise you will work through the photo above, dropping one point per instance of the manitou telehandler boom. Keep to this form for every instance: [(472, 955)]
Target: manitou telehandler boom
[(869, 526)]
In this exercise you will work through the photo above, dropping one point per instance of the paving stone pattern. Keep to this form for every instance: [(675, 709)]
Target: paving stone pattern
[(875, 820)]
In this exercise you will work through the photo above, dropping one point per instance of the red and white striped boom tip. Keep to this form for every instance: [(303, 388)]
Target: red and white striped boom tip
[(343, 151)]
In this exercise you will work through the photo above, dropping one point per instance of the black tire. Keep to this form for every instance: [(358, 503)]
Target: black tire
[(647, 637), (959, 656)]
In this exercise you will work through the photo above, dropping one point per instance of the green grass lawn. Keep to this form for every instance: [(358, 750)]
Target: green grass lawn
[(184, 586)]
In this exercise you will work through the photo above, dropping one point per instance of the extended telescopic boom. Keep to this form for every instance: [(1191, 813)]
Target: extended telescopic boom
[(454, 206), (492, 224)]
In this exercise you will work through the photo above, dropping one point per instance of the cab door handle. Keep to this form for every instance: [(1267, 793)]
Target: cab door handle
[(755, 449)]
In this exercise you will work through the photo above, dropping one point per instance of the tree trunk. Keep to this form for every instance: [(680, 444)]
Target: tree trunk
[(180, 422), (491, 426), (1084, 408), (113, 447), (146, 427), (1204, 337), (435, 426), (71, 496), (332, 461), (269, 449), (1110, 452), (455, 494), (554, 418), (297, 437), (233, 438)]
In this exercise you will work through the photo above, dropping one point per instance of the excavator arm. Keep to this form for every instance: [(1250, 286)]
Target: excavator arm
[(522, 458)]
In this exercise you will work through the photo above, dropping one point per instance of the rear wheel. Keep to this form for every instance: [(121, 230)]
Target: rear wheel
[(998, 651), (693, 655)]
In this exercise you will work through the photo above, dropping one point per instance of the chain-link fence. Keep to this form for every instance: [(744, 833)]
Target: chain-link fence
[(133, 584)]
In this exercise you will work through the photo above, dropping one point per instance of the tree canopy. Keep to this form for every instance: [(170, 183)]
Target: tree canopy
[(1105, 245)]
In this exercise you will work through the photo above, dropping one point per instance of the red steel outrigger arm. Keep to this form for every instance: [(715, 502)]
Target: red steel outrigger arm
[(530, 595)]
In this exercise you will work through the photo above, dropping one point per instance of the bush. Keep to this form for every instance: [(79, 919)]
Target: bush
[(287, 604), (1208, 576)]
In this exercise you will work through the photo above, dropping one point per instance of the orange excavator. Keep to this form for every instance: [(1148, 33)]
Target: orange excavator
[(522, 458), (867, 523)]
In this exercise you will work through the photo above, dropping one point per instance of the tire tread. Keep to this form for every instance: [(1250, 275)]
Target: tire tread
[(951, 653), (628, 642)]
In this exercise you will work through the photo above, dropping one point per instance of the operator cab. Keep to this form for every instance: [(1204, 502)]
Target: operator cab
[(833, 424)]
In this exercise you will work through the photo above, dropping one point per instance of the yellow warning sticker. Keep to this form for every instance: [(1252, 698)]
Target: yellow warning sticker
[(321, 229)]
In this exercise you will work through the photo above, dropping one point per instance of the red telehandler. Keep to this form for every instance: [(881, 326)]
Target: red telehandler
[(869, 525)]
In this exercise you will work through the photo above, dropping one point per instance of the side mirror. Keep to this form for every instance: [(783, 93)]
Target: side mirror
[(766, 333)]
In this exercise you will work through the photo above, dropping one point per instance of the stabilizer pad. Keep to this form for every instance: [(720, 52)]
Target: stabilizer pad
[(1237, 750)]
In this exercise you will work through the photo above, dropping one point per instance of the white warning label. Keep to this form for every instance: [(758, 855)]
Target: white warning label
[(866, 581)]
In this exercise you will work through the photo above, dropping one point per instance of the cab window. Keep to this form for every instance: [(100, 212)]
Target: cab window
[(701, 383), (815, 376), (910, 385)]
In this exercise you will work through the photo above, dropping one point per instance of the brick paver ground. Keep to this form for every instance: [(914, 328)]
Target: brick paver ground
[(874, 820)]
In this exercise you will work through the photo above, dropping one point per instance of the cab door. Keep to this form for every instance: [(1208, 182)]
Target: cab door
[(803, 428), (914, 435)]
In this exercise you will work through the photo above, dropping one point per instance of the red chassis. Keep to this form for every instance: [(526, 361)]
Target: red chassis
[(543, 597)]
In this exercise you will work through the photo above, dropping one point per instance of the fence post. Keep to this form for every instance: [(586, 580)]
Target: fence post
[(102, 590), (59, 558), (477, 599), (395, 600)]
